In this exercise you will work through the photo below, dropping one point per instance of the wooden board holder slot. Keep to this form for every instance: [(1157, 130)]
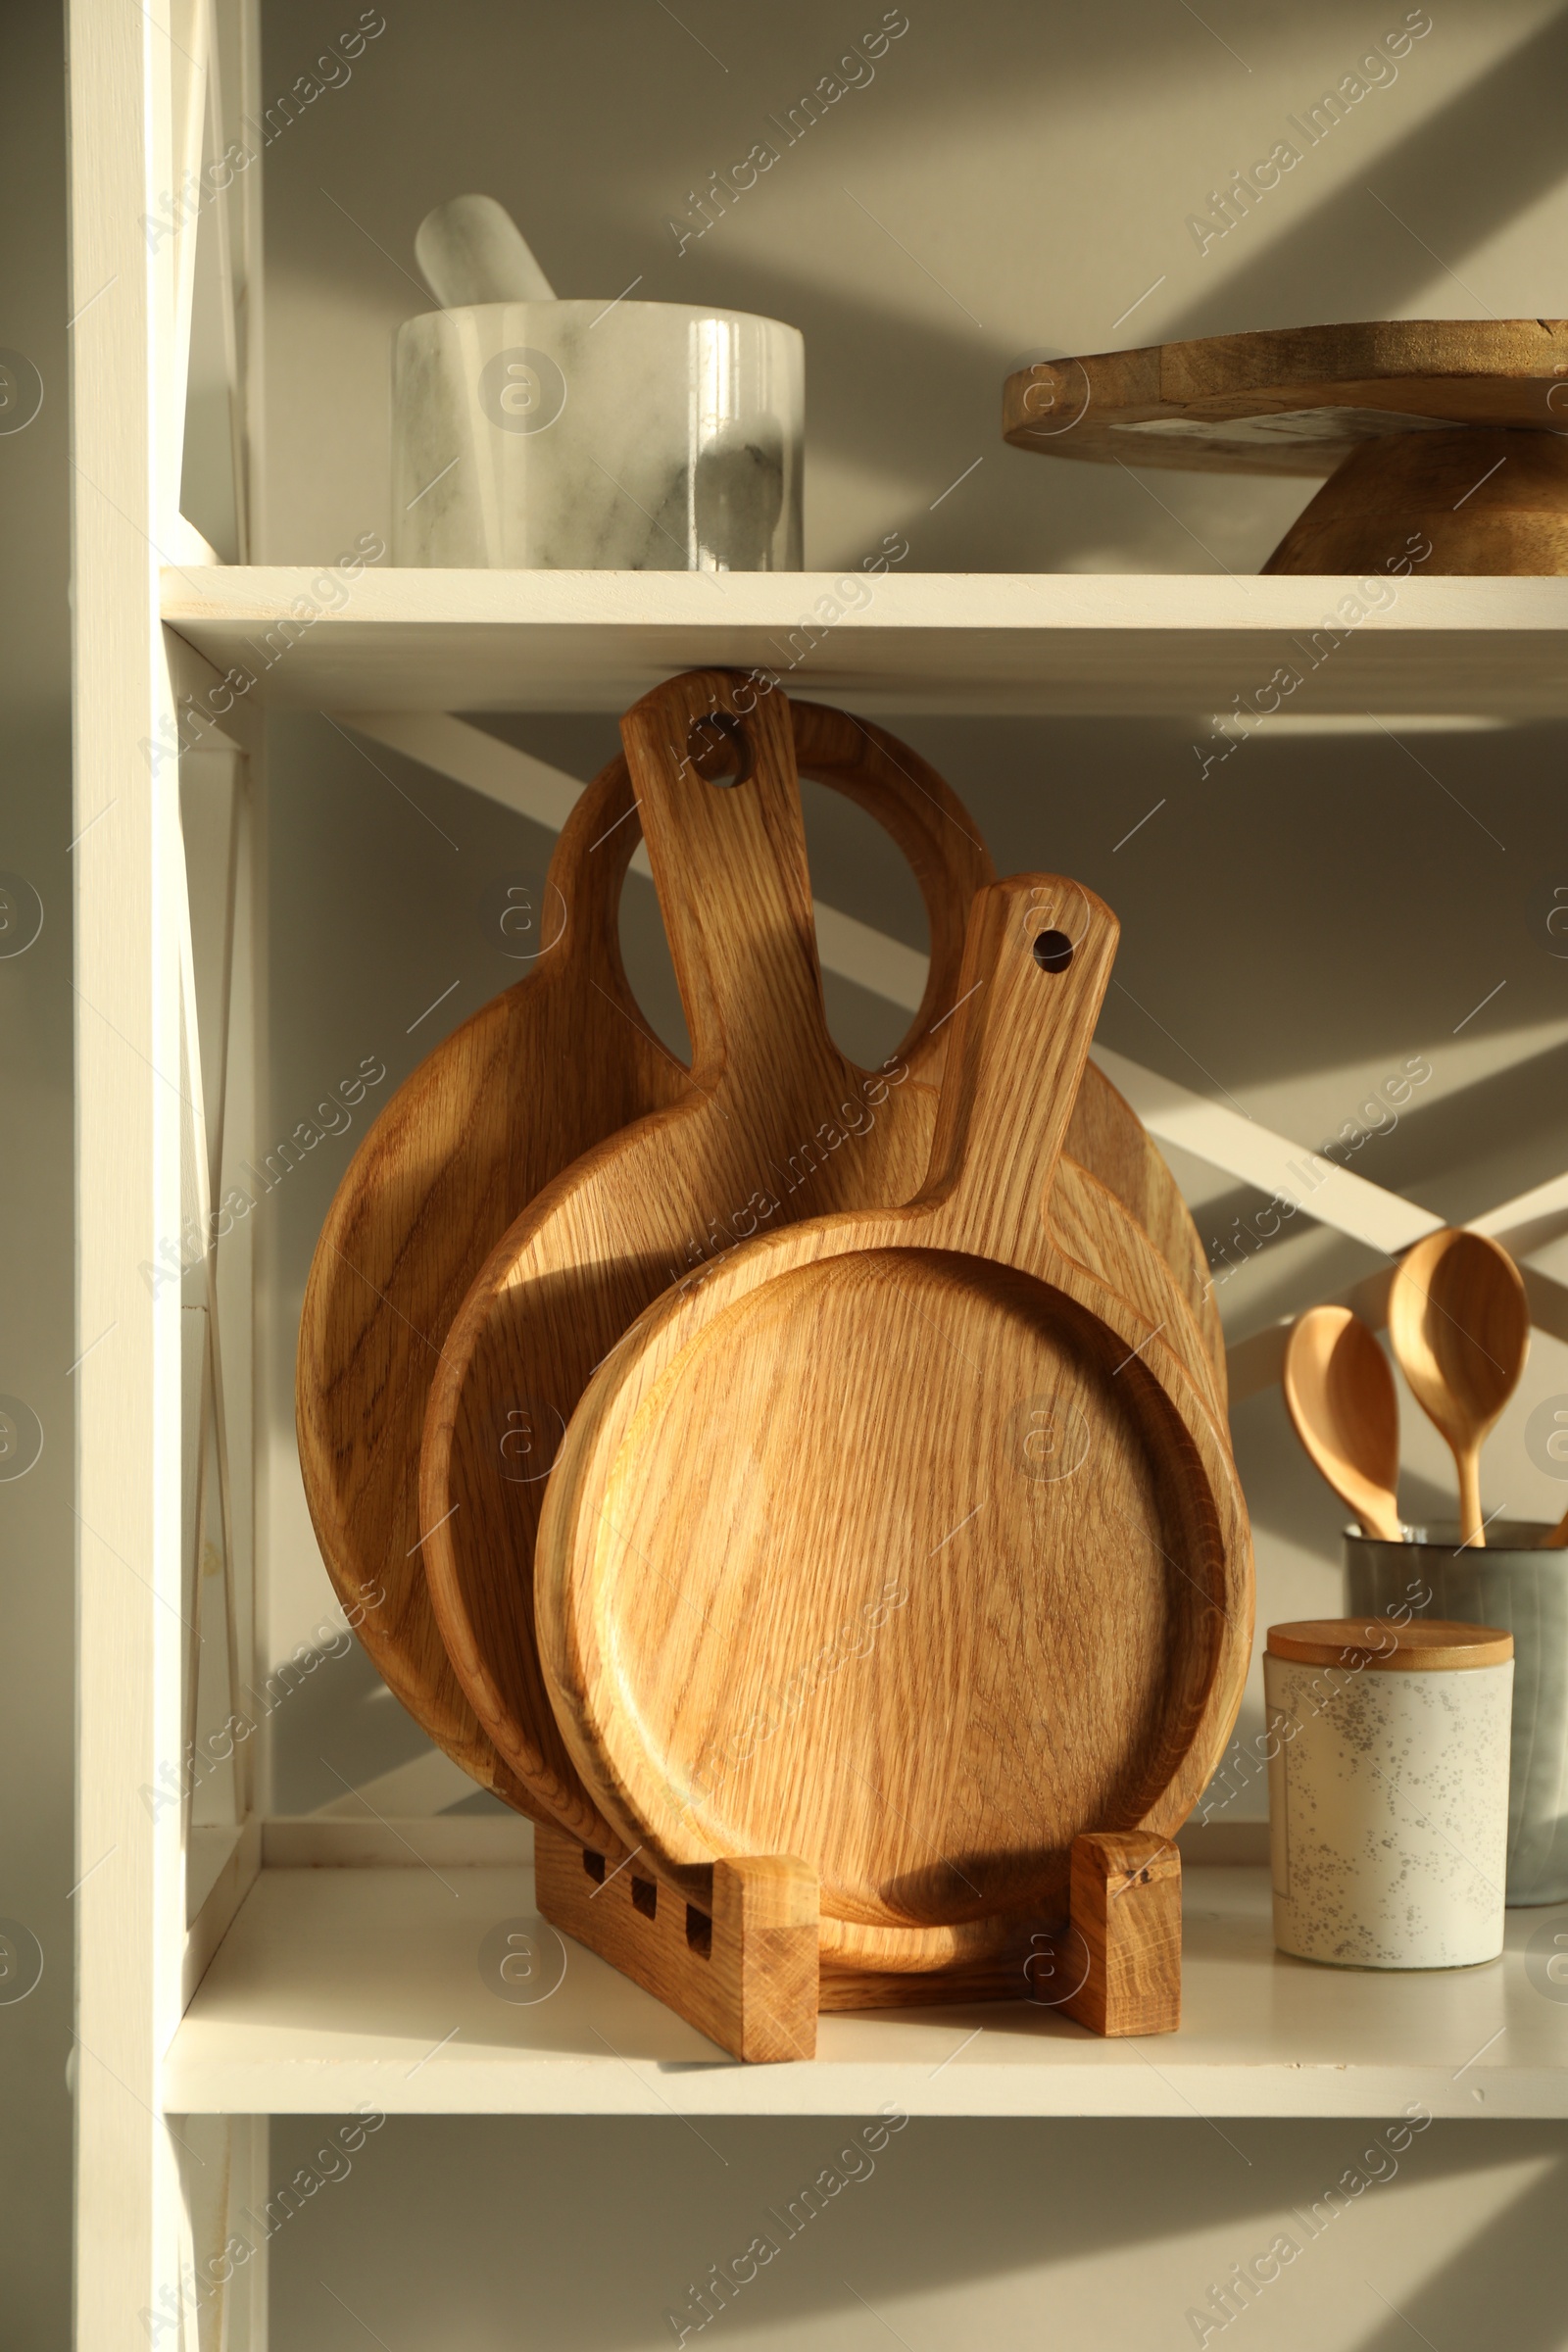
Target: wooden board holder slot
[(746, 1970)]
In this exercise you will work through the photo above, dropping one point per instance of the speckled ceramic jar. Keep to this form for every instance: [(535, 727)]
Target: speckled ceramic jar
[(620, 436), (1388, 1789), (1516, 1584)]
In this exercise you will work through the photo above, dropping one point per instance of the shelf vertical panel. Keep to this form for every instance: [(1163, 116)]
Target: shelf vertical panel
[(128, 1109)]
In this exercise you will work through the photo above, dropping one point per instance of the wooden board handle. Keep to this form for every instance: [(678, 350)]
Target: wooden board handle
[(902, 794), (1036, 967), (713, 765)]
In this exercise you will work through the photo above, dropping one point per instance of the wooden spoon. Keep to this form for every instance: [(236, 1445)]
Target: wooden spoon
[(801, 1587), (1459, 1321), (1339, 1394)]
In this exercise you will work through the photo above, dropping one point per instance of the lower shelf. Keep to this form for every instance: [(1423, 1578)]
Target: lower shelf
[(424, 1993)]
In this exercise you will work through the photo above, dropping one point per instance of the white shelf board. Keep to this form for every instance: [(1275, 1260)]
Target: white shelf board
[(926, 642), (341, 1987)]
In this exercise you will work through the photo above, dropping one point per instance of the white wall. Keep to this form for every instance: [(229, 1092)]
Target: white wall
[(475, 2236), (1293, 928)]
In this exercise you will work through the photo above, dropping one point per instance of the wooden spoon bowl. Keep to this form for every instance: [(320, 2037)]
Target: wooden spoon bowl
[(1339, 1394), (1459, 1320)]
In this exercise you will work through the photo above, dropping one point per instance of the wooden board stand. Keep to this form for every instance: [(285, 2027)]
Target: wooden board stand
[(1127, 1905), (746, 1971)]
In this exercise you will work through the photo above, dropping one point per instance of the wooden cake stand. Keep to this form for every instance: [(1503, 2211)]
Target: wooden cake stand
[(1448, 431)]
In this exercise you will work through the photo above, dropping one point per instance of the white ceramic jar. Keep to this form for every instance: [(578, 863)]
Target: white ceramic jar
[(622, 436), (1388, 1789)]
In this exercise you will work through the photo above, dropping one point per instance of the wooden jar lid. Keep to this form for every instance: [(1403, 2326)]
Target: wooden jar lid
[(1424, 1645)]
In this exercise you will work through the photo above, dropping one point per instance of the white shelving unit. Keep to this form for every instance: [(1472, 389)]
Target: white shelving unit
[(992, 644), (232, 1968), (342, 1988)]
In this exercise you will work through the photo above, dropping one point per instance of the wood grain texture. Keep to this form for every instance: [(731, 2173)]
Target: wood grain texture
[(772, 1121), (1107, 1138), (996, 1971), (903, 1530), (741, 1966), (1459, 1324), (1338, 1391), (503, 1104), (499, 1108), (1485, 502), (1470, 371), (1127, 1906), (776, 1126)]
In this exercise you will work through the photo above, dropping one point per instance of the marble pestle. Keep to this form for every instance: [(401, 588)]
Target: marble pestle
[(471, 250)]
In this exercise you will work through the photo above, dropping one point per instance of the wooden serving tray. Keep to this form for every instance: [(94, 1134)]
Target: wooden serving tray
[(1448, 431)]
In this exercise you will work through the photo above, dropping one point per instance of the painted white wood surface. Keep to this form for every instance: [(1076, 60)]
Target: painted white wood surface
[(162, 1524), (335, 1986), (129, 1109), (993, 644)]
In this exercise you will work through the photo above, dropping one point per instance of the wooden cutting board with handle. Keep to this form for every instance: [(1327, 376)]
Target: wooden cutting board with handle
[(779, 1126), (537, 1076), (801, 1587)]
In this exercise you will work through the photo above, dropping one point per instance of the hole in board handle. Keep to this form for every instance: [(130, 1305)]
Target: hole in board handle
[(645, 1897), (718, 748), (1053, 951), (594, 1865)]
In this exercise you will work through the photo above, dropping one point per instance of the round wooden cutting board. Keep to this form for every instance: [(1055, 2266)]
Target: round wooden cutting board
[(808, 1584), (536, 1077), (778, 1127), (543, 1073)]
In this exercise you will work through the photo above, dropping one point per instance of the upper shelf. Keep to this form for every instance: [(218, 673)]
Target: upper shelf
[(337, 1987), (979, 643)]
